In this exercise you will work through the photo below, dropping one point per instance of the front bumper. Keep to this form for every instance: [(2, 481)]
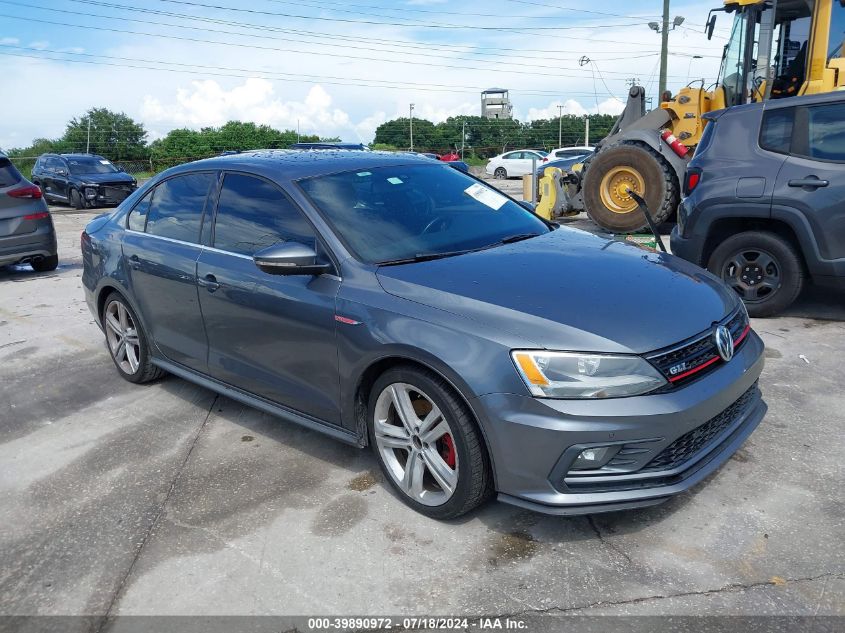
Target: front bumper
[(533, 442), (107, 195)]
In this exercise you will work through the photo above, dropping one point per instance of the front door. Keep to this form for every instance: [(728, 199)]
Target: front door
[(160, 252), (270, 335)]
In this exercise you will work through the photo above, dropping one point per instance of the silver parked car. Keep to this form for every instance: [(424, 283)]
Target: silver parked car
[(27, 234)]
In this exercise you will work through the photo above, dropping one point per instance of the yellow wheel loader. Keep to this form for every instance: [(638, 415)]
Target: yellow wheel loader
[(777, 49)]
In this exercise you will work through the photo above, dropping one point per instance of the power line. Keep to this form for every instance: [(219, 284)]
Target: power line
[(277, 49)]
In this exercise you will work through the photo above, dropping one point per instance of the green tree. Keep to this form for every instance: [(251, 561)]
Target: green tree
[(112, 134)]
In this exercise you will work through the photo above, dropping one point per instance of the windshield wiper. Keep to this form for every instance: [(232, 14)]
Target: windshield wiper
[(519, 237), (423, 257)]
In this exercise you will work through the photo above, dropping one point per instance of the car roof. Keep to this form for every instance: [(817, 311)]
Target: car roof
[(296, 164)]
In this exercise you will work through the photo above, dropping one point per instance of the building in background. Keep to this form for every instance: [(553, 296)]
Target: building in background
[(495, 104)]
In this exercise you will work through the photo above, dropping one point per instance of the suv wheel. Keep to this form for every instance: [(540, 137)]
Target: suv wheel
[(763, 268), (76, 200), (427, 443), (127, 342), (500, 173)]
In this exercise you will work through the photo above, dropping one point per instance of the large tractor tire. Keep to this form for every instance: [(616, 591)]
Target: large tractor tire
[(612, 171)]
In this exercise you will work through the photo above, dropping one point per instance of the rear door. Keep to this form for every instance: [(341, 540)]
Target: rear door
[(160, 249), (812, 179), (270, 335), (59, 176)]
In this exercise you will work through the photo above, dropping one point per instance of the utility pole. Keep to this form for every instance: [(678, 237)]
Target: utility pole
[(412, 127), (664, 48), (463, 138), (586, 130), (297, 131), (560, 126), (663, 29), (88, 144)]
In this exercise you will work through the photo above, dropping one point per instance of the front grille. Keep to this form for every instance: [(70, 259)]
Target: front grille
[(695, 357), (117, 193), (689, 444)]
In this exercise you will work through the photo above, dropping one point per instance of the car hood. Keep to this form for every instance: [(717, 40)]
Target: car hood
[(570, 290), (118, 177)]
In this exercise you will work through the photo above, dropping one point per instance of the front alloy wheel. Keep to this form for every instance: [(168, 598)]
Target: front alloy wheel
[(427, 443), (416, 444)]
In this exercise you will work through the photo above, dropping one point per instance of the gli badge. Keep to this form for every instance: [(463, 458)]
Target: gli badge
[(724, 342)]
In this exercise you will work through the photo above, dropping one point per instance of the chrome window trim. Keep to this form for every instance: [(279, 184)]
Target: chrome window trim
[(162, 237)]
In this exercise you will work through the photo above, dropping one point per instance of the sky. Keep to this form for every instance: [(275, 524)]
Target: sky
[(332, 67)]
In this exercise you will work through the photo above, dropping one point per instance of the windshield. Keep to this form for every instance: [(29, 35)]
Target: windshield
[(402, 212), (79, 166)]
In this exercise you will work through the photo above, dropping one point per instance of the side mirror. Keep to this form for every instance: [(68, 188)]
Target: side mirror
[(527, 204), (289, 258), (121, 169), (711, 24), (62, 172)]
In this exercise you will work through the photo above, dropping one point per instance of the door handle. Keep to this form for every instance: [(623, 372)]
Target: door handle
[(135, 262), (209, 282), (811, 182)]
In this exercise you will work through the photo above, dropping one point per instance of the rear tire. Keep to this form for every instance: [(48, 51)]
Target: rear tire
[(442, 445), (763, 268), (632, 165), (45, 264), (501, 173), (127, 342)]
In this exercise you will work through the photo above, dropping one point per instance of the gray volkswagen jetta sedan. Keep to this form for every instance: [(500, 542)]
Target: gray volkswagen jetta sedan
[(390, 301)]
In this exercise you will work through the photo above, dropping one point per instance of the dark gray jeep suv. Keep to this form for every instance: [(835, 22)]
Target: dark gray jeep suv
[(391, 300), (764, 205)]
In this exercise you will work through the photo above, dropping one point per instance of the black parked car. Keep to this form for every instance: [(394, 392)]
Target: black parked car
[(763, 206), (82, 180)]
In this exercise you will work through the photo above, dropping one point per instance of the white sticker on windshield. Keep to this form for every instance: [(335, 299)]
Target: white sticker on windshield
[(105, 162), (361, 174), (394, 180), (486, 196)]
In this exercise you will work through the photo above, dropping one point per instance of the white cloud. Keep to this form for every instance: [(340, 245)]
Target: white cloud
[(207, 103), (570, 106), (9, 41), (39, 44)]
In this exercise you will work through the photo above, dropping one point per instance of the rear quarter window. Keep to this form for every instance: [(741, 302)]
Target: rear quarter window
[(776, 130), (9, 174)]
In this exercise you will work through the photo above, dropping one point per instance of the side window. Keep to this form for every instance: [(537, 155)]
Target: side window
[(253, 214), (837, 31), (176, 211), (826, 132), (776, 132), (512, 156), (137, 219)]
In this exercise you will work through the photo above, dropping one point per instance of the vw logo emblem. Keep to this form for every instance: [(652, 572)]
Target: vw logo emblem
[(724, 342)]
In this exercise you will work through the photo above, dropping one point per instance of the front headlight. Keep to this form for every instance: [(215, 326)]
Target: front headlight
[(577, 375)]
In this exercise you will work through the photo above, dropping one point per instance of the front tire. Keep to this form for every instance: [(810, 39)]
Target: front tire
[(427, 443), (764, 269), (127, 342), (619, 167), (76, 200), (501, 173)]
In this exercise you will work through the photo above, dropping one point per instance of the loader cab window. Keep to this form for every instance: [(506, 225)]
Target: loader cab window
[(837, 31), (733, 60), (791, 57)]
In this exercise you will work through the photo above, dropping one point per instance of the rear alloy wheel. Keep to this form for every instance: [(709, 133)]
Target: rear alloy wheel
[(500, 173), (127, 343), (613, 171), (763, 268), (427, 444)]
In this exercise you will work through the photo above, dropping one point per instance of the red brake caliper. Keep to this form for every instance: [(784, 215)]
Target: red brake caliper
[(447, 451)]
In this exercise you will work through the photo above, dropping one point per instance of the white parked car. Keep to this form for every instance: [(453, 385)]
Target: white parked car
[(570, 152), (516, 163)]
